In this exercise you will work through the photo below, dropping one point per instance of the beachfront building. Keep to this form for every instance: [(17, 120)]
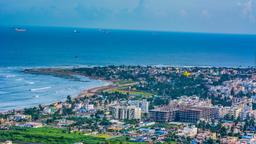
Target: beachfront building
[(143, 104), (163, 114), (185, 110), (126, 112), (188, 115)]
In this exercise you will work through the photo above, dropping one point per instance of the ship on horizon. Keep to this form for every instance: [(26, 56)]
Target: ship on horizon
[(20, 30)]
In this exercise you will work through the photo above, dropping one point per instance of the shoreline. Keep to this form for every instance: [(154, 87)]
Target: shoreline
[(143, 65), (70, 75), (92, 91), (85, 92), (67, 73)]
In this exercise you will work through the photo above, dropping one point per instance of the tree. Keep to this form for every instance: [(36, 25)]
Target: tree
[(34, 112), (105, 121), (67, 111), (41, 108), (223, 132), (69, 100), (209, 141), (232, 92)]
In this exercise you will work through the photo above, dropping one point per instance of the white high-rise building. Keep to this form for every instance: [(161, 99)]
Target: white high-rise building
[(144, 104), (126, 112)]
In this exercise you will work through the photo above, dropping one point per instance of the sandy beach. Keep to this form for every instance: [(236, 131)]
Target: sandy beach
[(93, 91), (20, 89)]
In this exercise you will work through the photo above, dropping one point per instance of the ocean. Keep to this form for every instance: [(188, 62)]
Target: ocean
[(52, 46), (57, 46), (19, 90)]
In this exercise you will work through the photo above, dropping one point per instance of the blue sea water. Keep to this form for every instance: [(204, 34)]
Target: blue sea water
[(19, 90), (52, 46), (44, 46)]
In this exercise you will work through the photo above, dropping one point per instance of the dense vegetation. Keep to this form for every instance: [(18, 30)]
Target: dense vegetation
[(165, 82), (47, 135)]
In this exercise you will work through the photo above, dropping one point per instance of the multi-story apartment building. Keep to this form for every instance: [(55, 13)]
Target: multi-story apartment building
[(126, 112)]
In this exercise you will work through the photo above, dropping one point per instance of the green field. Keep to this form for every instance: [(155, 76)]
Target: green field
[(121, 82), (47, 135), (139, 93)]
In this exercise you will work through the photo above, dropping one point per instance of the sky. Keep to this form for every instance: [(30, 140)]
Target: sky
[(215, 16)]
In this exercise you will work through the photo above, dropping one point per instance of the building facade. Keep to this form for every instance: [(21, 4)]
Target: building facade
[(185, 110), (126, 112)]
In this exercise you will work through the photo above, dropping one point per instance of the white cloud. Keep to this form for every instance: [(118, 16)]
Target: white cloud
[(205, 13), (248, 10), (183, 12)]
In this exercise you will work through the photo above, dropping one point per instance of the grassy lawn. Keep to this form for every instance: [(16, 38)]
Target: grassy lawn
[(123, 140), (121, 82), (104, 136), (123, 87), (167, 126), (139, 93), (47, 135)]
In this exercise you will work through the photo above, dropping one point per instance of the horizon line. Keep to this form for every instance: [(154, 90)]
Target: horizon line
[(128, 29)]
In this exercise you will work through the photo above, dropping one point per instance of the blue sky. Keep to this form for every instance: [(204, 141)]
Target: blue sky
[(217, 16)]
